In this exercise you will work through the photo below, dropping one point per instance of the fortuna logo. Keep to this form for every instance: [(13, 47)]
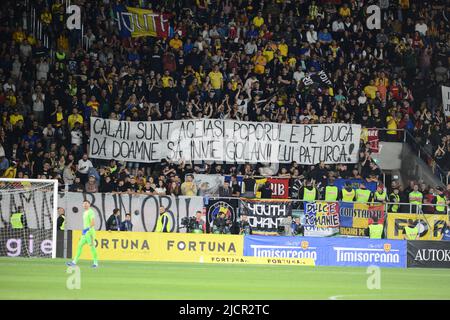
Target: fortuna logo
[(432, 255), (201, 246), (367, 255), (272, 251)]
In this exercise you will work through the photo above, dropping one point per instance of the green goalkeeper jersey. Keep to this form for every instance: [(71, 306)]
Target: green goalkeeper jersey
[(88, 215)]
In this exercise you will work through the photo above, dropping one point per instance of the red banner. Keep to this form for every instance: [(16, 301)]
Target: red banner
[(280, 187), (373, 139)]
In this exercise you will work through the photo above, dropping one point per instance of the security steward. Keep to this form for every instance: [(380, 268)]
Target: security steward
[(331, 191), (61, 222), (415, 198), (348, 193), (440, 201), (18, 220), (164, 223), (381, 194), (363, 195), (411, 231), (394, 198), (375, 230)]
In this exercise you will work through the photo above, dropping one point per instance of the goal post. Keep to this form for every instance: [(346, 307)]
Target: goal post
[(28, 217)]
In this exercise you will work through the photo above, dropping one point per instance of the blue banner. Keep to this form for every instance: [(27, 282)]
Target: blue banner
[(340, 183), (330, 251)]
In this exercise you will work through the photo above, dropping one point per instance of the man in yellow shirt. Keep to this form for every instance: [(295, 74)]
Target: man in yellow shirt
[(345, 11), (166, 79), (258, 21), (371, 90), (392, 123), (15, 117), (260, 63), (216, 78), (74, 117), (283, 47), (176, 43)]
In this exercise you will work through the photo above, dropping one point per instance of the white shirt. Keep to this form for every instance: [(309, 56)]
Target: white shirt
[(311, 36), (337, 26), (421, 28), (38, 102), (83, 166), (77, 137)]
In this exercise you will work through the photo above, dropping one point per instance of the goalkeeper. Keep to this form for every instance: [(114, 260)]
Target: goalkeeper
[(88, 235)]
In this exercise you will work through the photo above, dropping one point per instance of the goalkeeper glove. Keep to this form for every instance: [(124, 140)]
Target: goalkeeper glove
[(85, 230)]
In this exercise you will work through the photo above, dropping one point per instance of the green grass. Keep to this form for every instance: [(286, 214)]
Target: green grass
[(22, 278)]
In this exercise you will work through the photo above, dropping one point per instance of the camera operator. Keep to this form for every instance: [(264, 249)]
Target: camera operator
[(244, 226), (222, 224), (297, 228)]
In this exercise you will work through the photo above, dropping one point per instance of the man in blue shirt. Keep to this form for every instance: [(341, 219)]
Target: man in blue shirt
[(126, 225)]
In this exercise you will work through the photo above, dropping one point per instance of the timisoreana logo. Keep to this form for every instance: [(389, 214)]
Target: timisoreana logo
[(382, 255), (304, 244), (201, 246), (274, 251)]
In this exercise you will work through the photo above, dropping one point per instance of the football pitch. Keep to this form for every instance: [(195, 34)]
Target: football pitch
[(22, 278)]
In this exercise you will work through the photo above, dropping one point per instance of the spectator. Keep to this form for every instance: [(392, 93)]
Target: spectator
[(126, 225), (113, 222)]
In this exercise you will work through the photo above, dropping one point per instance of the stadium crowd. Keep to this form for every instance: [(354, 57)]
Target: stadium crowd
[(232, 59)]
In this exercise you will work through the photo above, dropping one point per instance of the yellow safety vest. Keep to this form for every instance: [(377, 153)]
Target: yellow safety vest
[(348, 196), (395, 206), (16, 220), (362, 195), (63, 225), (415, 197), (309, 195), (375, 231), (380, 196), (411, 233), (159, 224), (440, 203), (331, 193)]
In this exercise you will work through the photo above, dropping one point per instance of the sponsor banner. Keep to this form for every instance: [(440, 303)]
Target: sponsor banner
[(144, 209), (152, 246), (329, 251), (136, 22), (446, 100), (265, 216), (355, 217), (340, 183), (209, 183), (321, 218), (373, 139), (26, 243), (429, 254), (431, 226), (223, 140), (258, 260)]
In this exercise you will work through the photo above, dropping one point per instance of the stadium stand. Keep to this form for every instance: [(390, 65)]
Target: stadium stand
[(242, 60)]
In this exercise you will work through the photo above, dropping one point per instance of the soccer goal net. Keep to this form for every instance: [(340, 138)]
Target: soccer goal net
[(28, 213)]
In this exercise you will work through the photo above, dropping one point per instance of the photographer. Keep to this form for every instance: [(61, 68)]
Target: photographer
[(297, 228), (221, 224), (244, 226)]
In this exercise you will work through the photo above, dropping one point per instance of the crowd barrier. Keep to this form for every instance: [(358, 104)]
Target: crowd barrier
[(277, 250)]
